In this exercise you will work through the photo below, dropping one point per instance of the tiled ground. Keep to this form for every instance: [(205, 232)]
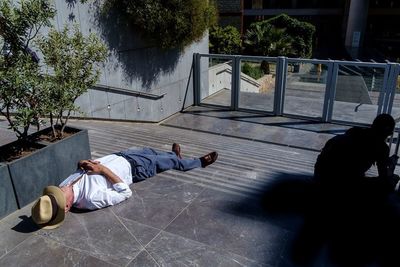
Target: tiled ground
[(250, 208)]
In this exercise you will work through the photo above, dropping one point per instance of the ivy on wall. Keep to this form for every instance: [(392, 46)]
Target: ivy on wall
[(167, 23)]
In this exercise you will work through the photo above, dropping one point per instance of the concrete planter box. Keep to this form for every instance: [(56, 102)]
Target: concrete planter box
[(8, 202), (49, 165)]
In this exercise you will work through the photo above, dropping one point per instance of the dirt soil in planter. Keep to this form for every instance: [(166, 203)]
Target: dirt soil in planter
[(48, 137), (20, 149)]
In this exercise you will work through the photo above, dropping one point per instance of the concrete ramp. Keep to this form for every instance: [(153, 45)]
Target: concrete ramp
[(352, 89)]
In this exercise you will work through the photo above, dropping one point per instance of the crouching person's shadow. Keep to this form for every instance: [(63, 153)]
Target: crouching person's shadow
[(330, 227), (348, 227)]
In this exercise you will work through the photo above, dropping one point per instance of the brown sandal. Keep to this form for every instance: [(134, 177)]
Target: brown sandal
[(208, 159), (176, 148)]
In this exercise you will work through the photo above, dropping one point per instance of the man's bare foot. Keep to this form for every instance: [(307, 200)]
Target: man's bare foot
[(176, 148)]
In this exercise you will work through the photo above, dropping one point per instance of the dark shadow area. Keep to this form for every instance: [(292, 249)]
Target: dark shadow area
[(138, 59), (299, 124), (76, 210), (329, 227), (26, 225)]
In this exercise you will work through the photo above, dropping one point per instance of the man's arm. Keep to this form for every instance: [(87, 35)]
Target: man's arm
[(386, 168), (104, 198), (96, 167)]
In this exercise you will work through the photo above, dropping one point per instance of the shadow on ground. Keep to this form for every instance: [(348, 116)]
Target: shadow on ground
[(328, 228), (26, 225), (224, 113)]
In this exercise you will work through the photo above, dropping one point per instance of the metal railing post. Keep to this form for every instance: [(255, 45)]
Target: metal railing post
[(280, 81), (391, 86), (383, 94), (332, 89), (235, 83), (196, 79), (328, 88)]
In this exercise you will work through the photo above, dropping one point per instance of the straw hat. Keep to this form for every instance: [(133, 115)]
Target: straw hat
[(49, 210)]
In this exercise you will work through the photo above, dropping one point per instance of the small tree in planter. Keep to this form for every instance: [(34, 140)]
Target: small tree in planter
[(71, 60), (22, 92), (29, 91)]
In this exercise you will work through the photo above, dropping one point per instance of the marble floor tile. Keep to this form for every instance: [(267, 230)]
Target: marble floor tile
[(142, 233), (19, 216), (10, 238), (172, 250), (162, 184), (154, 209), (227, 202), (97, 233), (235, 232), (43, 252), (143, 259)]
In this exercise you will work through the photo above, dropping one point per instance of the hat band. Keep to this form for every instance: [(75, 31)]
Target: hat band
[(54, 207)]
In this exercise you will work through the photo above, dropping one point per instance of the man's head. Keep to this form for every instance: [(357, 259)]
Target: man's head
[(48, 212), (69, 196), (383, 125)]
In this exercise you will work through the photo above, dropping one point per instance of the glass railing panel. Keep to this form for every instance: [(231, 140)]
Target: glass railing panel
[(357, 93), (396, 103), (216, 80), (257, 84), (305, 88)]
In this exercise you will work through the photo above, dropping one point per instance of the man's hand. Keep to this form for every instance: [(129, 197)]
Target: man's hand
[(91, 166), (95, 167)]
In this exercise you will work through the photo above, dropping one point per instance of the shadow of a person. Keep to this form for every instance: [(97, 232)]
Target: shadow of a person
[(356, 228), (335, 226)]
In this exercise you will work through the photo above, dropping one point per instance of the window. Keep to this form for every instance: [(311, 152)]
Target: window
[(257, 4)]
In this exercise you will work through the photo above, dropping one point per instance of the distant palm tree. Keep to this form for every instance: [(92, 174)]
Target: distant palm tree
[(266, 40)]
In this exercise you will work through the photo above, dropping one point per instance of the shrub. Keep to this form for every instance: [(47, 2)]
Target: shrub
[(167, 23), (266, 40), (301, 33), (71, 60), (23, 94), (27, 93), (254, 72), (280, 36), (225, 40)]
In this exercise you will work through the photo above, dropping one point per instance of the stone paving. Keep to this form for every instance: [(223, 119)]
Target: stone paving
[(247, 209)]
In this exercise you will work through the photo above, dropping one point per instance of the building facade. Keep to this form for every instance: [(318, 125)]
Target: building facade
[(355, 29)]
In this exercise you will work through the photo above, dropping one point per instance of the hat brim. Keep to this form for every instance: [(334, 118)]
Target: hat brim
[(60, 199)]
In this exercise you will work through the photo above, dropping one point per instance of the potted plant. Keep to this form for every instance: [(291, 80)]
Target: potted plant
[(32, 89)]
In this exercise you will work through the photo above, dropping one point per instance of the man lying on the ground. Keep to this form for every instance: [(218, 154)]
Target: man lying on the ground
[(105, 181)]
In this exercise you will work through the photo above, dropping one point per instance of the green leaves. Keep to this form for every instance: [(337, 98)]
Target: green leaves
[(72, 61), (168, 23), (29, 91), (280, 36), (225, 40), (266, 40)]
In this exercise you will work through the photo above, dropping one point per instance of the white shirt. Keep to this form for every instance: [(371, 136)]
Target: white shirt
[(95, 191)]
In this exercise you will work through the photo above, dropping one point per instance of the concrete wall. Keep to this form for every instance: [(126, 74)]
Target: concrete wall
[(220, 77), (154, 81)]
